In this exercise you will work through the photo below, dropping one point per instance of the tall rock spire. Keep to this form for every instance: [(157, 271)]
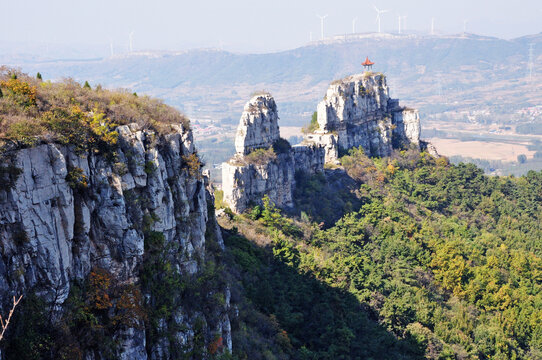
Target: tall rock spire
[(258, 127)]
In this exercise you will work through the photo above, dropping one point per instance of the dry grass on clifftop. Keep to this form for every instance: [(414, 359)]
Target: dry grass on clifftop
[(32, 110)]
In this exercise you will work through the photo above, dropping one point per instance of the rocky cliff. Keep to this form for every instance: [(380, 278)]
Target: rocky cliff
[(264, 163), (357, 111), (258, 127), (406, 126), (111, 234)]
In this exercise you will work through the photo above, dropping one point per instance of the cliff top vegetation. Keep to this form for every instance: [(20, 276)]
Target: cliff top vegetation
[(33, 110)]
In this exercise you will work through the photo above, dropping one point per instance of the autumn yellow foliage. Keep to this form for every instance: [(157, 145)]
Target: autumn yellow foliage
[(24, 93)]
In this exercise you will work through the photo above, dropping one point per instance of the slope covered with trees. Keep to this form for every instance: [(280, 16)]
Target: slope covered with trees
[(431, 260)]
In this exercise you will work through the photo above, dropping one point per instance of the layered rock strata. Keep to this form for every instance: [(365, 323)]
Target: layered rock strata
[(68, 214)]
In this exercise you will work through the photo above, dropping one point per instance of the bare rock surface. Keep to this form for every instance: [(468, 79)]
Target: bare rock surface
[(357, 111), (258, 127), (246, 181), (54, 230)]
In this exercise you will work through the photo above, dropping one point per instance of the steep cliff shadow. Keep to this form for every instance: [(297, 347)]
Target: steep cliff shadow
[(325, 197), (295, 316)]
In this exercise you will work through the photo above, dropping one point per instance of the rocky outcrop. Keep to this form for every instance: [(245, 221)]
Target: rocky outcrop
[(68, 214), (357, 111), (247, 184), (257, 169), (258, 127), (429, 148), (353, 100), (328, 142)]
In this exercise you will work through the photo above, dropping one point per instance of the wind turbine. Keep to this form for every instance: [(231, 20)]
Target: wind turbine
[(131, 41), (378, 13), (403, 18), (111, 46), (433, 26), (322, 24), (465, 22), (354, 25)]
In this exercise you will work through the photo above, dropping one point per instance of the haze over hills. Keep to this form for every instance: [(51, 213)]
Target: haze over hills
[(467, 78), (188, 78)]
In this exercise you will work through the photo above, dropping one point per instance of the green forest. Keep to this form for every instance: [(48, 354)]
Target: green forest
[(406, 257)]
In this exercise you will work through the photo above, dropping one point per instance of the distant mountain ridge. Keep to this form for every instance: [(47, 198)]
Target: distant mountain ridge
[(213, 83)]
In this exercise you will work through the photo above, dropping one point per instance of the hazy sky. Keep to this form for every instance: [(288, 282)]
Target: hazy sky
[(248, 25)]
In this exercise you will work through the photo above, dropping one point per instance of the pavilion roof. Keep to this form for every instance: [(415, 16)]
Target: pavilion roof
[(367, 62)]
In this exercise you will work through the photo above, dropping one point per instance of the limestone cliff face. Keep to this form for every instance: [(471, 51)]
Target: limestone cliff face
[(245, 184), (406, 127), (328, 142), (248, 183), (258, 127), (67, 214), (357, 111), (245, 180), (353, 100)]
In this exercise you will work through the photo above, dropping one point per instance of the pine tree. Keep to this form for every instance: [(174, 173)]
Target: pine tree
[(270, 214), (38, 76), (87, 85)]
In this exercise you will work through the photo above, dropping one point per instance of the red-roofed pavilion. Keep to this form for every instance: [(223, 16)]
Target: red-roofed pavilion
[(367, 64)]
